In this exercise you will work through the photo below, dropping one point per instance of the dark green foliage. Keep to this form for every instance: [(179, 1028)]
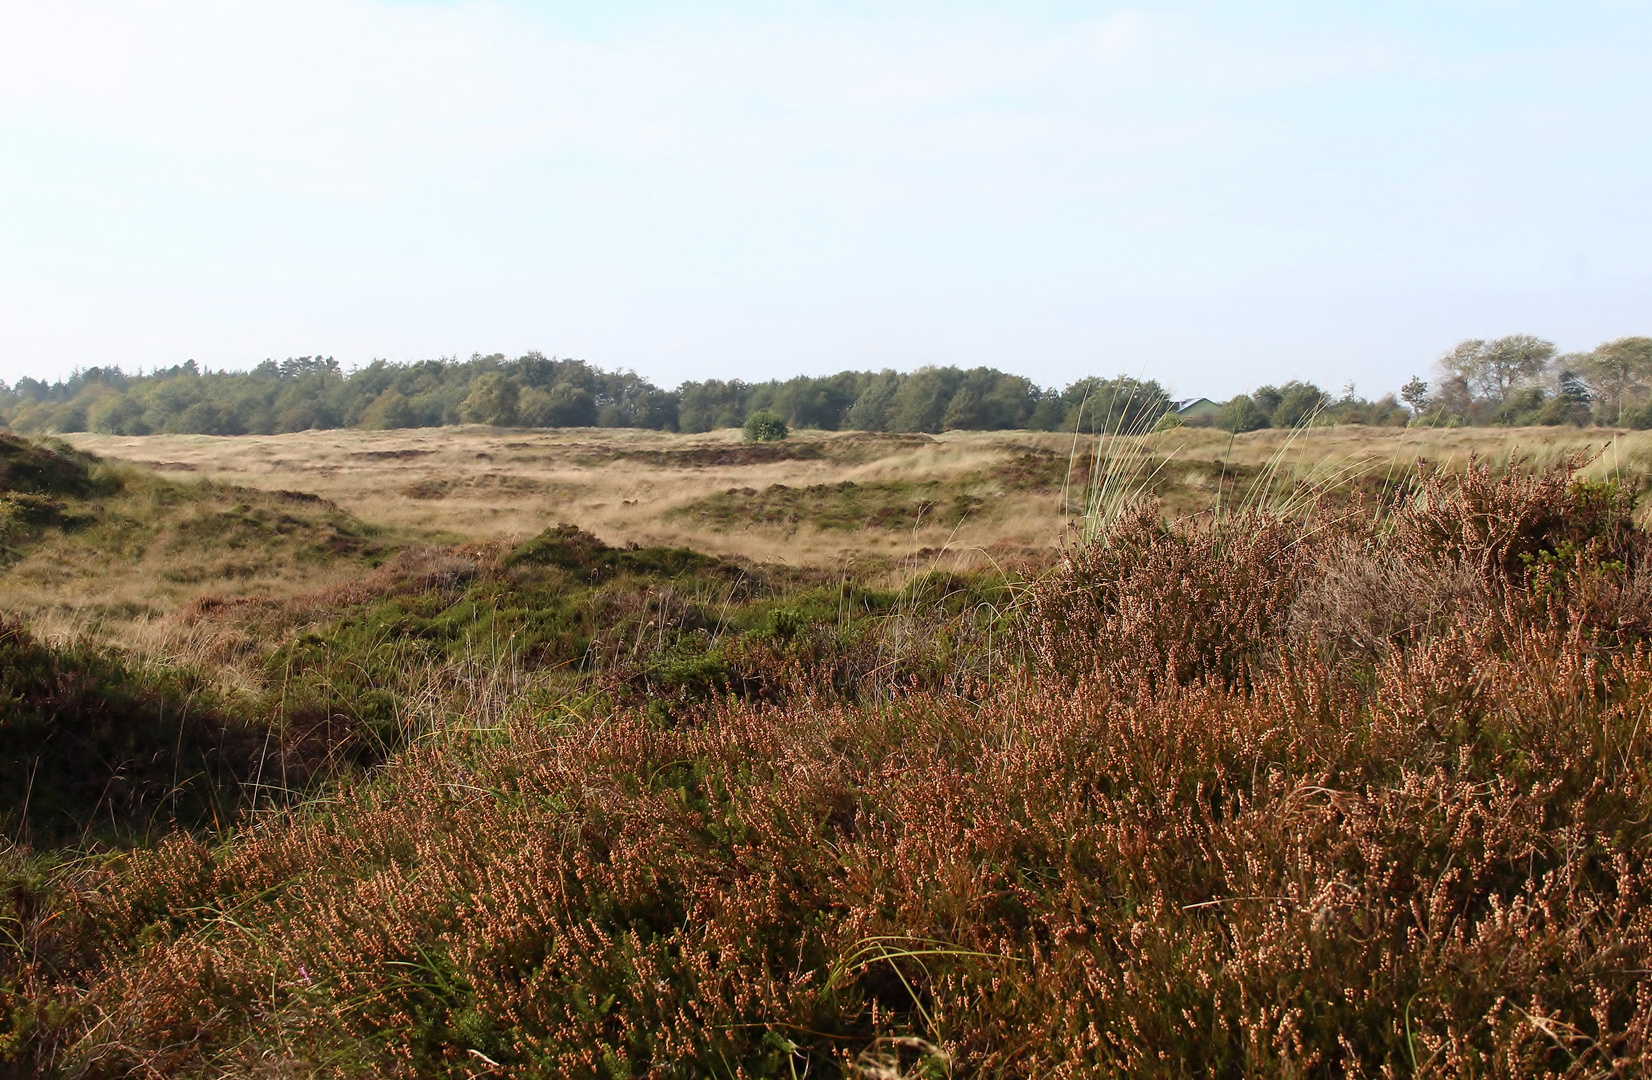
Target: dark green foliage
[(563, 405), (1241, 414), (1300, 404), (1121, 405), (764, 426), (314, 392), (1521, 380), (1297, 404), (38, 482), (537, 391), (492, 400), (706, 406), (809, 402), (43, 469)]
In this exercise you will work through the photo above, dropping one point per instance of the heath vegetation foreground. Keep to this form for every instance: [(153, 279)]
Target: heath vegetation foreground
[(480, 752)]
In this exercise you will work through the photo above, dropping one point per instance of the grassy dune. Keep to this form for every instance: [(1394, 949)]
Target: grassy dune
[(978, 493), (842, 757)]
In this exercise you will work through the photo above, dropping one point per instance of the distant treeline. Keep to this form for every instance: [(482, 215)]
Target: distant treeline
[(1513, 380), (537, 391)]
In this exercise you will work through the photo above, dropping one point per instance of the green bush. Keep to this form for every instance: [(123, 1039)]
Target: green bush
[(765, 426), (1241, 415)]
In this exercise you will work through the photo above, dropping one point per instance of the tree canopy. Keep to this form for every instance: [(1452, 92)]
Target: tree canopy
[(1518, 379), (538, 391)]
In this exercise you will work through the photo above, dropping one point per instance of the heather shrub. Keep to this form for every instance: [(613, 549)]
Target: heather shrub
[(1354, 796), (1207, 882), (1506, 523), (1157, 601)]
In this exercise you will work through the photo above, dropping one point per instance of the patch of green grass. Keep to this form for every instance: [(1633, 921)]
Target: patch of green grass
[(843, 506), (667, 626)]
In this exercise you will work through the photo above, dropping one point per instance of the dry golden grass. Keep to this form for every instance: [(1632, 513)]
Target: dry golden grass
[(965, 498), (124, 561), (480, 483)]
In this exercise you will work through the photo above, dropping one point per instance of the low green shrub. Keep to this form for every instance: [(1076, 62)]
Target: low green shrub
[(764, 426)]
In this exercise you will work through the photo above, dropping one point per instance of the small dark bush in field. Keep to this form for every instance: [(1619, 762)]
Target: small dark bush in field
[(570, 548), (1242, 796), (765, 426)]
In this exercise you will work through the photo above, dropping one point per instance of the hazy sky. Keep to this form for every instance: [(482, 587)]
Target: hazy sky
[(1213, 194)]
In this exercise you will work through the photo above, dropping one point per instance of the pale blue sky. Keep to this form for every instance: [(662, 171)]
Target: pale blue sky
[(1213, 194)]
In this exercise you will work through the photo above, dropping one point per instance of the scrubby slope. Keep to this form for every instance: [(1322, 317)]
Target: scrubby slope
[(92, 546), (1241, 796), (269, 641)]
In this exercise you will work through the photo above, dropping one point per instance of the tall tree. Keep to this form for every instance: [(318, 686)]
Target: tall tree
[(1618, 372), (1493, 369)]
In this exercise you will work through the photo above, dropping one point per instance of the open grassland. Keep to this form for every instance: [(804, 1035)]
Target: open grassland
[(818, 498), (1306, 762)]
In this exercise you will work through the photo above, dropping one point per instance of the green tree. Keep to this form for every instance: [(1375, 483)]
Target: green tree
[(1492, 370), (492, 400), (1415, 394), (765, 426), (963, 412), (1618, 373), (389, 410), (706, 406), (1241, 414), (1299, 404), (871, 409), (1050, 412), (919, 404), (563, 405), (116, 414), (1119, 404)]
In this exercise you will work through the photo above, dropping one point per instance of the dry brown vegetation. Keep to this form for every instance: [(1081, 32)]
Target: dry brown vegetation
[(627, 486), (1357, 789)]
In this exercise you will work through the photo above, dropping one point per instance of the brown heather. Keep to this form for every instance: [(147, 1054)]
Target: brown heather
[(1363, 796)]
